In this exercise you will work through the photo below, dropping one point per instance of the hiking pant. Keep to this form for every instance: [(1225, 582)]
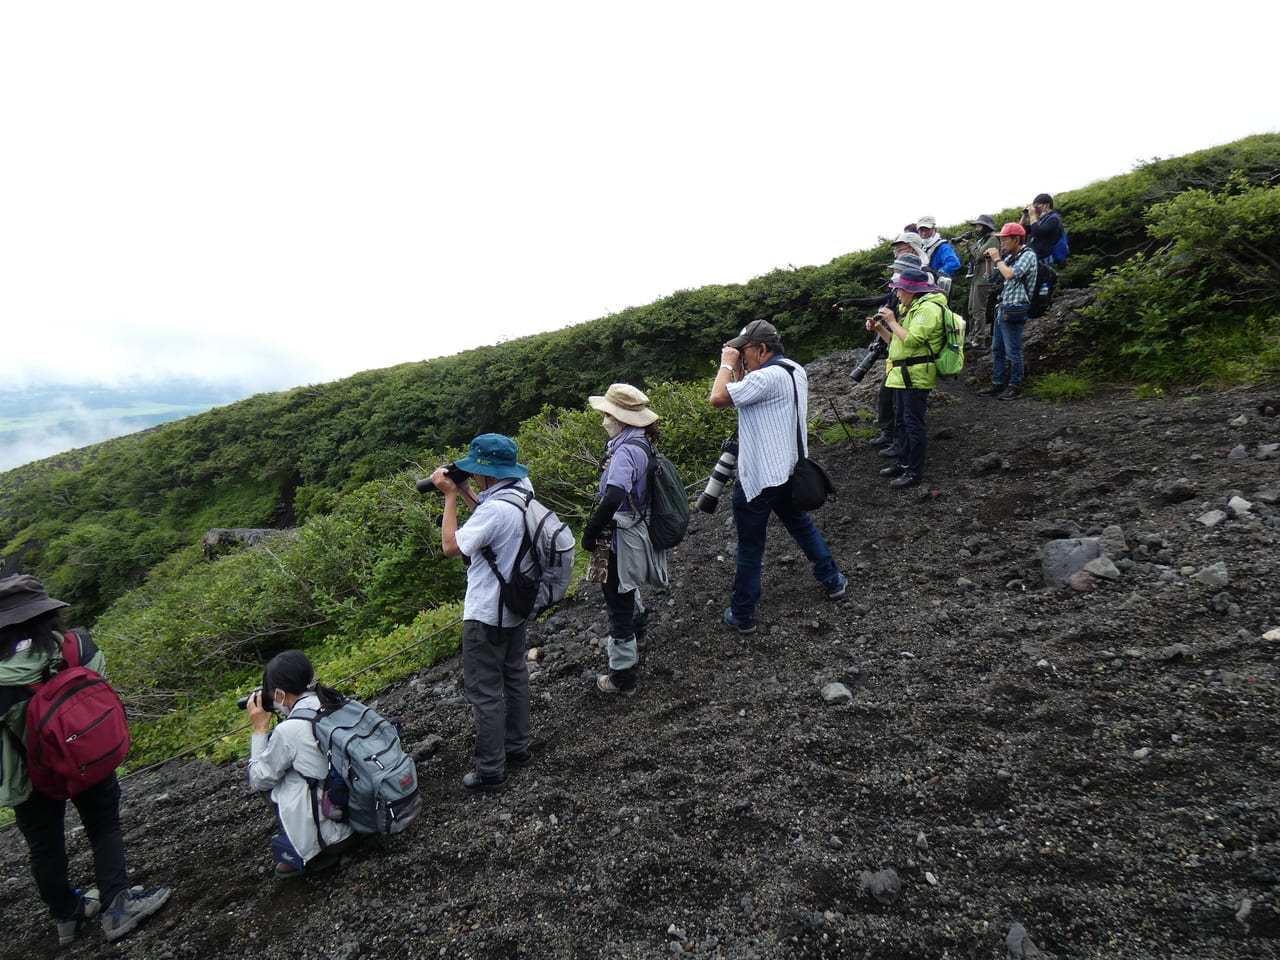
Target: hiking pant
[(751, 518), (1006, 345), (622, 648), (41, 820), (496, 678), (979, 301), (913, 436), (886, 418)]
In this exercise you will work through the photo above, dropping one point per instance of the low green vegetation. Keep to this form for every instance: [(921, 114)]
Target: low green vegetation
[(1183, 256), (1060, 386), (1198, 301)]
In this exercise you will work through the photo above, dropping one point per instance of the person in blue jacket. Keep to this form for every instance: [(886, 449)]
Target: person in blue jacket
[(942, 257), (1043, 225)]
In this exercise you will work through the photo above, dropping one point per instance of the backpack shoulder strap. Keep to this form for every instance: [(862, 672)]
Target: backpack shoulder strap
[(649, 449), (78, 644), (314, 786), (525, 497), (1030, 280), (306, 713)]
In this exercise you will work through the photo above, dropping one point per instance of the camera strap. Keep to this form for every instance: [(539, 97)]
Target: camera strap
[(795, 393)]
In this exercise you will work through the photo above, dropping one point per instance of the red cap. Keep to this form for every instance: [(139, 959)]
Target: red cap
[(1012, 230)]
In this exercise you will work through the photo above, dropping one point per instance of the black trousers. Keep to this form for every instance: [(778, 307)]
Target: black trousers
[(886, 416), (42, 822), (621, 606)]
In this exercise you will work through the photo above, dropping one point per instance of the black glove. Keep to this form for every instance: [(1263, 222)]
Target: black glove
[(609, 503)]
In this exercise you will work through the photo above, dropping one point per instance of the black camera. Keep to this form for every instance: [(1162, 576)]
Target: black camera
[(267, 703), (726, 469), (876, 350), (963, 238), (451, 470)]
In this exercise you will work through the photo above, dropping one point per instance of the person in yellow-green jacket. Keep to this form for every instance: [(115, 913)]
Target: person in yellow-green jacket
[(914, 343)]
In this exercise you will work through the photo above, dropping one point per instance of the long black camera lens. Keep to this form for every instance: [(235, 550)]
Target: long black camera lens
[(875, 350)]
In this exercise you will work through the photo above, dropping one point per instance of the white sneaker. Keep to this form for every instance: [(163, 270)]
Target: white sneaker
[(130, 908), (605, 684), (86, 909)]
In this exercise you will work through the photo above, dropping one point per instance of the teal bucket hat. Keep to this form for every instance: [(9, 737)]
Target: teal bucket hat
[(493, 455)]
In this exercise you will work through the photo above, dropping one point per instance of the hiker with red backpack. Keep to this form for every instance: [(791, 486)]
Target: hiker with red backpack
[(53, 702)]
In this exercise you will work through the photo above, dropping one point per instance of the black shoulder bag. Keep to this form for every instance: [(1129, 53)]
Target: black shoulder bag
[(809, 485)]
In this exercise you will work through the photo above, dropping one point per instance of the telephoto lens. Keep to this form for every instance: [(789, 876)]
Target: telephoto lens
[(875, 350), (725, 470)]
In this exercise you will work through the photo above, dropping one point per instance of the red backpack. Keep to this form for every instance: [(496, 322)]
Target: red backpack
[(77, 732)]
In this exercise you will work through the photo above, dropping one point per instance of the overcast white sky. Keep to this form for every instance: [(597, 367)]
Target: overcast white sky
[(290, 192)]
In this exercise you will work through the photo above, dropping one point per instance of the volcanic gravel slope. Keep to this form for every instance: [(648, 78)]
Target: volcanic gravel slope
[(1099, 766)]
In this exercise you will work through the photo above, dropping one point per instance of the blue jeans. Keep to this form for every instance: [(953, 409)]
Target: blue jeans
[(752, 521), (1006, 343), (912, 436)]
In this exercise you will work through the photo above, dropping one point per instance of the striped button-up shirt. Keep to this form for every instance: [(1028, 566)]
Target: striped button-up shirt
[(768, 417)]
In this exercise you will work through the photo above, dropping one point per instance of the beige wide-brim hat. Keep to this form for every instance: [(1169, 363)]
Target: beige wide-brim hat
[(625, 403)]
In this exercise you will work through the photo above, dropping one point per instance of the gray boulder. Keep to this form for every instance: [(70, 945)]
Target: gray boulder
[(1061, 558), (223, 540)]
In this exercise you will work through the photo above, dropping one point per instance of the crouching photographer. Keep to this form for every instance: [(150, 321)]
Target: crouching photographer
[(288, 763)]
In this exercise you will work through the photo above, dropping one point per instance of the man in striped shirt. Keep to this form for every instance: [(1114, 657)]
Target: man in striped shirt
[(771, 395)]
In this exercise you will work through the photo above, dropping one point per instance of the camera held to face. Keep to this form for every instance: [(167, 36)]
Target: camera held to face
[(267, 703), (726, 469), (451, 470)]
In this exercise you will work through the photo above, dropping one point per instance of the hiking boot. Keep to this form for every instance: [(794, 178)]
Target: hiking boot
[(130, 908), (992, 391), (86, 909), (1013, 393), (605, 684), (474, 783), (881, 440), (893, 470), (890, 452), (836, 590), (521, 761), (908, 479), (742, 626)]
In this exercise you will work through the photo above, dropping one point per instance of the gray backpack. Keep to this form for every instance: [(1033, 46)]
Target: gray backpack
[(364, 752), (544, 563)]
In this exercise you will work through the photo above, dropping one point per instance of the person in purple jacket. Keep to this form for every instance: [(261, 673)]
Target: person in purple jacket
[(623, 509)]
